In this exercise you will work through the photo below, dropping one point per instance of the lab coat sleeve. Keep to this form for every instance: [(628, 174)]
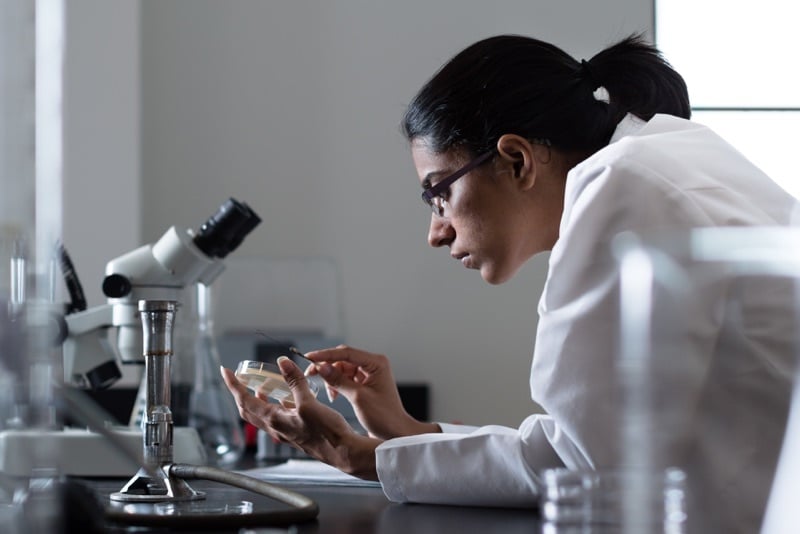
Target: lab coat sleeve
[(452, 428), (489, 466)]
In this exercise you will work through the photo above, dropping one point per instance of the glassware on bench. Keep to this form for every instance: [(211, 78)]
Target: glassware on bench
[(266, 378), (207, 404)]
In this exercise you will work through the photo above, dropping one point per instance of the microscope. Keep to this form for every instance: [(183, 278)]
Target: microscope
[(98, 338), (158, 272), (143, 289)]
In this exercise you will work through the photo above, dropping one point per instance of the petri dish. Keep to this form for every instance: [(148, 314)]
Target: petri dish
[(266, 378)]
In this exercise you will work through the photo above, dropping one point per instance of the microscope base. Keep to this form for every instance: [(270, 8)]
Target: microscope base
[(167, 488), (80, 452)]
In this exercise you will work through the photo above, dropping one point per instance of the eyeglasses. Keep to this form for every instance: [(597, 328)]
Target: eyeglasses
[(432, 195)]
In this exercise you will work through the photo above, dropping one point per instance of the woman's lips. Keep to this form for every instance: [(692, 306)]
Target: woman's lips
[(466, 260)]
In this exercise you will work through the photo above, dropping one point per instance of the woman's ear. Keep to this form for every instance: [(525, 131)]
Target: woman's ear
[(519, 154)]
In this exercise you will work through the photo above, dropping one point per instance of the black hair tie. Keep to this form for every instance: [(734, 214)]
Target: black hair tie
[(587, 72)]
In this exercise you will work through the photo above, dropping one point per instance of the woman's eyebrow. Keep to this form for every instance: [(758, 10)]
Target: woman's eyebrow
[(426, 182)]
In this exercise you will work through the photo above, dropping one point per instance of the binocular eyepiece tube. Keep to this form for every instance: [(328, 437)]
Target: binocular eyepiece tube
[(224, 231)]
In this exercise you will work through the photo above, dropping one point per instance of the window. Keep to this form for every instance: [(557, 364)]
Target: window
[(739, 62)]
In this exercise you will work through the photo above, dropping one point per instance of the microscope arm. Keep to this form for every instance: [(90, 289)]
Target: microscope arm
[(89, 358), (159, 271)]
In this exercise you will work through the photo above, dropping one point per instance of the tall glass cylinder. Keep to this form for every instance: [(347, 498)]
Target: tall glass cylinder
[(31, 169)]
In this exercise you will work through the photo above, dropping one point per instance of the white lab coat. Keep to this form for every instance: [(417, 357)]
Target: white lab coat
[(666, 174)]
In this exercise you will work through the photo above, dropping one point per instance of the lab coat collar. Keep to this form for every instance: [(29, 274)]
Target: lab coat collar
[(629, 125)]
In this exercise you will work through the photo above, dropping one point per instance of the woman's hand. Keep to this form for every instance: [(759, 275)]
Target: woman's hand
[(306, 424), (365, 379)]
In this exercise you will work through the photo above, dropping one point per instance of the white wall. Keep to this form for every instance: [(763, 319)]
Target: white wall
[(101, 129), (294, 108)]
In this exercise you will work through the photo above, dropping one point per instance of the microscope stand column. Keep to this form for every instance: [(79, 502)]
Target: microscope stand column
[(153, 482)]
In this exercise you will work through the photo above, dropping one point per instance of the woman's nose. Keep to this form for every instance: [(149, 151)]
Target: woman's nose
[(440, 232)]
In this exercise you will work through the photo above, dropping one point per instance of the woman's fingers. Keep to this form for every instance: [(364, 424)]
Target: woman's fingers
[(237, 389), (348, 370), (333, 375), (301, 421), (343, 353), (254, 409), (296, 380)]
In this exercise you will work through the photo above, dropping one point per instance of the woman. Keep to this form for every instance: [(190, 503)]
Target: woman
[(521, 149)]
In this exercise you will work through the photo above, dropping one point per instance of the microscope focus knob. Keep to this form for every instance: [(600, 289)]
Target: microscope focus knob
[(116, 286)]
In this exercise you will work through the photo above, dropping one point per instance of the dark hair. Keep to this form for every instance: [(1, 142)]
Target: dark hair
[(520, 85)]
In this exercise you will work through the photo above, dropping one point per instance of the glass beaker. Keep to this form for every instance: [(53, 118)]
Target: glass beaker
[(200, 399), (707, 359), (588, 501)]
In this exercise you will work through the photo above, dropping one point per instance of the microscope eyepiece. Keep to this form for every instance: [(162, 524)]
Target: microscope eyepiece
[(226, 229), (116, 286)]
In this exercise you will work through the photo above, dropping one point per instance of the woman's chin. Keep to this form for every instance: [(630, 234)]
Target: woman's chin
[(496, 274), (492, 276)]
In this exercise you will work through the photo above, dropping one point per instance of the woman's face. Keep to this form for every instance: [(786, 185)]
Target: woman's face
[(488, 223)]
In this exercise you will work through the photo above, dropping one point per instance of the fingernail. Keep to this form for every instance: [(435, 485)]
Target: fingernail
[(280, 361)]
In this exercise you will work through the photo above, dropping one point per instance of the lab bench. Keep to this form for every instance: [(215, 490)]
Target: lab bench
[(344, 509)]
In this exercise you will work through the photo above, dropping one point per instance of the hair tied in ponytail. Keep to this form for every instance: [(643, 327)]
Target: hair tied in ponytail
[(587, 72)]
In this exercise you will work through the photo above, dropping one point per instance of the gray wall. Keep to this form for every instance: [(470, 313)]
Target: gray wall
[(294, 108), (102, 183)]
